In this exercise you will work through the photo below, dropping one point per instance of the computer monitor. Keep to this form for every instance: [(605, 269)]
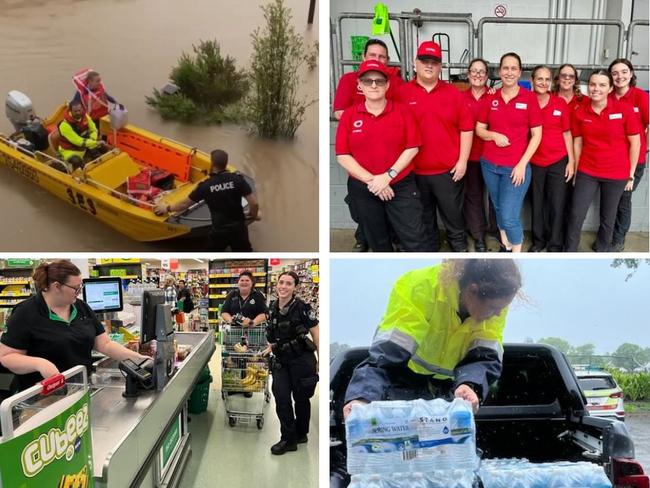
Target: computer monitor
[(150, 301), (103, 295)]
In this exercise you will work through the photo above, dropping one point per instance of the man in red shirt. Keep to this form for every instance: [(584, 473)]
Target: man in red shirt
[(348, 92), (447, 129), (375, 143)]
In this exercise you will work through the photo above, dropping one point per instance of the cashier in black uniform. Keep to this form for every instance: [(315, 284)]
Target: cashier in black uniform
[(295, 370), (245, 301), (54, 330), (222, 192)]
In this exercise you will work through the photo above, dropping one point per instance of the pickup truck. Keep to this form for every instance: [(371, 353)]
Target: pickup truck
[(536, 410)]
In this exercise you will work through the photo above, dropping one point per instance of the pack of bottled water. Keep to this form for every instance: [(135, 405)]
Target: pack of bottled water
[(417, 436), (437, 479), (520, 473)]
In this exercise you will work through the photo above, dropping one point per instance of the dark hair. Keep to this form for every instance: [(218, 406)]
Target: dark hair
[(74, 103), (246, 273), (478, 60), (219, 159), (627, 63), (495, 278), (293, 274), (56, 271), (603, 72), (370, 42), (576, 86), (181, 281), (510, 55)]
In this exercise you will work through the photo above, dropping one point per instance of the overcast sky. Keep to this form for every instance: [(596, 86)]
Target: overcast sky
[(582, 301)]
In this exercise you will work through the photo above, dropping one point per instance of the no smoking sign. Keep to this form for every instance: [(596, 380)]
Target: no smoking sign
[(500, 10)]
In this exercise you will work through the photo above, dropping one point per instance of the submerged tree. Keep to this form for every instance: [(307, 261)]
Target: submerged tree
[(207, 82), (273, 106)]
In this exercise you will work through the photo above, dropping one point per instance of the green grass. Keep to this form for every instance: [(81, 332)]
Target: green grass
[(638, 406)]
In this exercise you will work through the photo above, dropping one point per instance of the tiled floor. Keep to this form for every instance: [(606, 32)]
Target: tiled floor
[(224, 456)]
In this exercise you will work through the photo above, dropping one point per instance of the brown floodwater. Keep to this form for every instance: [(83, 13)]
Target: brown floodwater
[(134, 44)]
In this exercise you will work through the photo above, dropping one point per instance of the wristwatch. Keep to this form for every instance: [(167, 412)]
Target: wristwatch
[(631, 178), (392, 173)]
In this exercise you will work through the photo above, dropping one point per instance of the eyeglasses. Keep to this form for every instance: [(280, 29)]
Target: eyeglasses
[(566, 76), (77, 289), (376, 81), (477, 72)]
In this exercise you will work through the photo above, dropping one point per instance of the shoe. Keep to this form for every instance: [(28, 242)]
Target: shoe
[(361, 247), (617, 247), (503, 248), (536, 248), (480, 246), (302, 440), (248, 394), (283, 446)]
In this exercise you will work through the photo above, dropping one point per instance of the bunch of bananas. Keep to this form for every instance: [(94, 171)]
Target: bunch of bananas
[(254, 379)]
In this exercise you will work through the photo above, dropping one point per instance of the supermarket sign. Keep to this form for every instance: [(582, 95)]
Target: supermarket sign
[(20, 263), (56, 453)]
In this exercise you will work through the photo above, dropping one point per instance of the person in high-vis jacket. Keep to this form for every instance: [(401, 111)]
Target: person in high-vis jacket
[(441, 334), (292, 334), (78, 134)]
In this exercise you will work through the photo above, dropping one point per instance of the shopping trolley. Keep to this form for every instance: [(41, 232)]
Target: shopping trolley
[(244, 371)]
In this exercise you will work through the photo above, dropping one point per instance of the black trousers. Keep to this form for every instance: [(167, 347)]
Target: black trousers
[(624, 212), (474, 205), (548, 194), (295, 378), (235, 237), (583, 194), (442, 193), (403, 213)]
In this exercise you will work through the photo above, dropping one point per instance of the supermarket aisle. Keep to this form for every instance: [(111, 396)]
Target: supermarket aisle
[(240, 456)]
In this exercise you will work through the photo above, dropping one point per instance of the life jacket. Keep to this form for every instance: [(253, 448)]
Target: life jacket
[(79, 126), (94, 101)]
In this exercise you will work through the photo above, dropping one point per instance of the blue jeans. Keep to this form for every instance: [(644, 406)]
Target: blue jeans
[(507, 198)]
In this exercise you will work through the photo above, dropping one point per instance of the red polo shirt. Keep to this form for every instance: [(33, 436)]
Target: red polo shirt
[(348, 94), (441, 114), (474, 106), (605, 150), (514, 120), (556, 120), (376, 142), (638, 100)]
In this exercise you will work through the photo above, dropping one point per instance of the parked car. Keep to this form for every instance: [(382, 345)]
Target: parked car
[(604, 396), (536, 411)]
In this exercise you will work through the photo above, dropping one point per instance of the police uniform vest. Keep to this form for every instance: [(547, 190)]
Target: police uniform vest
[(287, 330), (80, 127)]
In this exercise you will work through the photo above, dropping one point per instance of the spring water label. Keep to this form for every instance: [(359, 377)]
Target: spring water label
[(383, 435)]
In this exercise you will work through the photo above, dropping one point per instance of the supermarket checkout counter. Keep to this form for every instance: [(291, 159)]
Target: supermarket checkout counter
[(144, 441)]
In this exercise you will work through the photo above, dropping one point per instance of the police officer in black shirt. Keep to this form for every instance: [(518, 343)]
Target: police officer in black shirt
[(222, 192), (245, 305), (54, 331), (294, 366)]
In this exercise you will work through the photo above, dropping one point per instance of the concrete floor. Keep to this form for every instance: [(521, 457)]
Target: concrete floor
[(342, 240), (240, 456)]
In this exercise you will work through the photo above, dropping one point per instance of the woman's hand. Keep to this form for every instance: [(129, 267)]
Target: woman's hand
[(629, 185), (47, 369), (500, 140), (378, 183), (266, 351), (466, 393), (386, 194), (518, 174), (348, 406), (569, 171)]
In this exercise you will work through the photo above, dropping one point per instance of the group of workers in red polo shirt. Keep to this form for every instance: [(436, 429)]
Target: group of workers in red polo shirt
[(417, 149)]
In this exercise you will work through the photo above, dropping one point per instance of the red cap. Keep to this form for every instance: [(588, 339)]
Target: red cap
[(372, 65), (429, 50)]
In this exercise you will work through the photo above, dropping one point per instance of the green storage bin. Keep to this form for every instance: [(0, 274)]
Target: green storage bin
[(198, 402)]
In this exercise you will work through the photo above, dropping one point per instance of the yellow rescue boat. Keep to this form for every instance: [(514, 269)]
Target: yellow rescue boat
[(99, 189)]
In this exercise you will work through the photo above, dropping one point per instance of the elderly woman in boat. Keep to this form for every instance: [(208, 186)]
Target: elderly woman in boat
[(92, 94)]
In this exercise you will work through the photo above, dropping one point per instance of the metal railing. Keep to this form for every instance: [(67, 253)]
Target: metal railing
[(630, 43), (480, 37)]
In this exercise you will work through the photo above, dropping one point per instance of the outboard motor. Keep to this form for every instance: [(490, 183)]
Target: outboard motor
[(18, 108), (20, 113)]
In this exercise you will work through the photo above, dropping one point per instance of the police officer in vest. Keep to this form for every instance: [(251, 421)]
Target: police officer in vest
[(78, 136), (222, 192), (294, 366), (245, 306), (441, 334)]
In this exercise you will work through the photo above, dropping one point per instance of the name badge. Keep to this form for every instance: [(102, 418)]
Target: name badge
[(557, 113), (521, 106), (636, 109), (615, 116)]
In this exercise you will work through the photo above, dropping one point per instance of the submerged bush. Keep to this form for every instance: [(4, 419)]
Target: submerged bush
[(273, 106), (207, 84)]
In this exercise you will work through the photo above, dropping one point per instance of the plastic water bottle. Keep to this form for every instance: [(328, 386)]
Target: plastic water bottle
[(461, 420)]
